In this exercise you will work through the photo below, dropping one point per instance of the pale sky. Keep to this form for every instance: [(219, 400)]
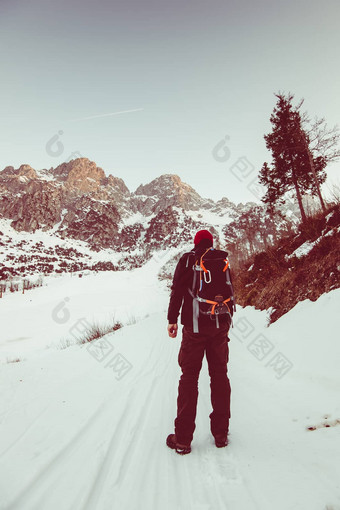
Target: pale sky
[(186, 74)]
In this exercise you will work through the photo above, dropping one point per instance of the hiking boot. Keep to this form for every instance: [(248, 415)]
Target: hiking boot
[(182, 449), (220, 442)]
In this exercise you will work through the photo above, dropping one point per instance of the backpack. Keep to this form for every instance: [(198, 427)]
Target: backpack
[(212, 290)]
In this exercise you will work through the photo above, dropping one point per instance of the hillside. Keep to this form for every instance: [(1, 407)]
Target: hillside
[(301, 266)]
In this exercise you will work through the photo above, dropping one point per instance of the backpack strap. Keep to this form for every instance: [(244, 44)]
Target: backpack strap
[(188, 257), (231, 288), (195, 314), (195, 303), (228, 277)]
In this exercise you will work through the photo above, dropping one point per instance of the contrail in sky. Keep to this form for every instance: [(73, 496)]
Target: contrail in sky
[(107, 114)]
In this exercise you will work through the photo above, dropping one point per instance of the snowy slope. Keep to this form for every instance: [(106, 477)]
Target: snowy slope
[(18, 249), (52, 314), (85, 427)]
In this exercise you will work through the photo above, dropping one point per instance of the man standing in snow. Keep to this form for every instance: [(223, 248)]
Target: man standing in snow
[(211, 339)]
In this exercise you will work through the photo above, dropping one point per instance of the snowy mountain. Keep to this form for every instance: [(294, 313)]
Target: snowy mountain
[(67, 194), (57, 219), (73, 217)]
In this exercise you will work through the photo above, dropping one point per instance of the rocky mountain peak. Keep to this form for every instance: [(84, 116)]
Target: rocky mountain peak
[(23, 173), (161, 185), (80, 173), (116, 183), (169, 190), (28, 171)]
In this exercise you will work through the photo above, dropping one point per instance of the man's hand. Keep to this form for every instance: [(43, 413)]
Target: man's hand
[(172, 330)]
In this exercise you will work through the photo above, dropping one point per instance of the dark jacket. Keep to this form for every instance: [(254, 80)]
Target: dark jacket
[(182, 282)]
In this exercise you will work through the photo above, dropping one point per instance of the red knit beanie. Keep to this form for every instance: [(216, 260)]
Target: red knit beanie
[(202, 234)]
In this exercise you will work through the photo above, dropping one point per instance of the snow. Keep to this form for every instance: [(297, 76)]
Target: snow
[(49, 239), (218, 220), (307, 246), (206, 218), (54, 229), (136, 218), (302, 250), (45, 175), (64, 301), (84, 428), (332, 232)]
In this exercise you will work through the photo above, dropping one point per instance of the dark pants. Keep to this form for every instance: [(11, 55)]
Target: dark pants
[(213, 342)]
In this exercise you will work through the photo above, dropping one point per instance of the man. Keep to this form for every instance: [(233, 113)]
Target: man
[(211, 339)]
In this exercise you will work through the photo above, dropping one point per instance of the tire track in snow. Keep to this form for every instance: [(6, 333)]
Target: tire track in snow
[(126, 437), (19, 438), (150, 447), (55, 463), (134, 455), (101, 424), (185, 485), (252, 497), (162, 474)]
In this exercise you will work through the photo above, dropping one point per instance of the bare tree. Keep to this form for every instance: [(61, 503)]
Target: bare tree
[(321, 141)]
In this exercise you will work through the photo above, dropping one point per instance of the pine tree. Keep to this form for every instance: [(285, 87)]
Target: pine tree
[(293, 167)]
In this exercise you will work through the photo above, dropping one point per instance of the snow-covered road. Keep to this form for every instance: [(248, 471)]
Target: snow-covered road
[(84, 428)]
